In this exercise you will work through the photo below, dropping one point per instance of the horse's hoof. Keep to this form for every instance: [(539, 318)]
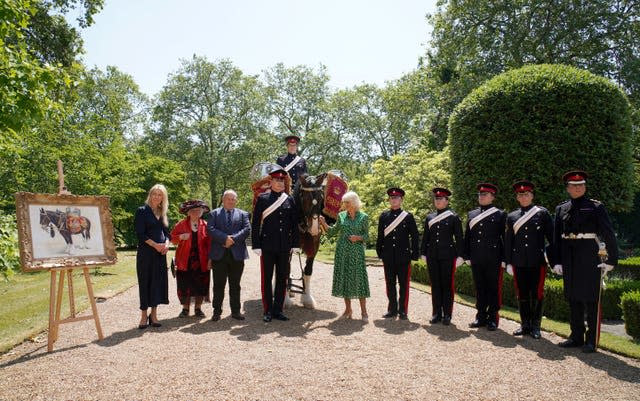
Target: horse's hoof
[(308, 301), (288, 303)]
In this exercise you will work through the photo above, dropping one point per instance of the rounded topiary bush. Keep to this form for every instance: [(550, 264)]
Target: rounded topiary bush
[(536, 123), (630, 304)]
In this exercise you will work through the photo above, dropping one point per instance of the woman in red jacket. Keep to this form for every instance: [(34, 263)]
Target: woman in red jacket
[(192, 270)]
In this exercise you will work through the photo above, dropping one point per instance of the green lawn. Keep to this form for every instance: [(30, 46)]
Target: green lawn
[(24, 309)]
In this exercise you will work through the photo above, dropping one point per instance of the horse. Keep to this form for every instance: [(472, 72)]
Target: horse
[(67, 224), (309, 198)]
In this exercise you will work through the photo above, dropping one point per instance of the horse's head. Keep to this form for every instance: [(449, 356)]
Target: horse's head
[(310, 198), (45, 222)]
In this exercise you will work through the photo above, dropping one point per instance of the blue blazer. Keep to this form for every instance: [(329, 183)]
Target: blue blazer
[(218, 231)]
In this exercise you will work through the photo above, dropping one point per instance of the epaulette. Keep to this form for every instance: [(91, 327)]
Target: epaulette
[(597, 202)]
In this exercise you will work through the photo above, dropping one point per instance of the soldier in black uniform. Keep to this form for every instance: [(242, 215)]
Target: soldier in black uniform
[(442, 245), (293, 164), (398, 243), (524, 244), (274, 235), (484, 251), (579, 222)]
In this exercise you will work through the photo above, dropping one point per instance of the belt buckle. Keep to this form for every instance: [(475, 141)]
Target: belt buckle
[(572, 236)]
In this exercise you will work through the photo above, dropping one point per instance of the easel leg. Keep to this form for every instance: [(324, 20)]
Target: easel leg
[(56, 324), (52, 306), (92, 300), (72, 304)]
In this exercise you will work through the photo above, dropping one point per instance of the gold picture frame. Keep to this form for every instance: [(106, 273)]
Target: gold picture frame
[(64, 231)]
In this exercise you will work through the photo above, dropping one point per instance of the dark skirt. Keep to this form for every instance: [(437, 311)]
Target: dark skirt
[(153, 283), (193, 282)]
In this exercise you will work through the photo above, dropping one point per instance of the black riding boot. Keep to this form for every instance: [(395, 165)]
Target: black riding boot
[(525, 318), (536, 318)]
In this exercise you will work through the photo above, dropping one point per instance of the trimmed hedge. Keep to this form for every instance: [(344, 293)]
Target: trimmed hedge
[(628, 268), (555, 305), (563, 117), (630, 304)]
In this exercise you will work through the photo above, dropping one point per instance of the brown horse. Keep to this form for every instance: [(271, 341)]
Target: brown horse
[(309, 198)]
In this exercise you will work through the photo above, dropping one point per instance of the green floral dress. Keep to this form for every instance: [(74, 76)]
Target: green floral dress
[(350, 279)]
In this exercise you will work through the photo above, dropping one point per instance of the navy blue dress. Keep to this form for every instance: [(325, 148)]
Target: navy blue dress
[(151, 266)]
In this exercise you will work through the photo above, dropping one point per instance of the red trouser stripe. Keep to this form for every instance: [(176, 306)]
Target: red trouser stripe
[(264, 302), (599, 323), (515, 282), (406, 295), (386, 279), (500, 274), (453, 285), (540, 289)]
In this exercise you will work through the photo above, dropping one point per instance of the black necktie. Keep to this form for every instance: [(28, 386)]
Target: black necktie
[(228, 220)]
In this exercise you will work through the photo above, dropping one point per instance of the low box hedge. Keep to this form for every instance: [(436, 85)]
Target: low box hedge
[(630, 305), (628, 268), (556, 307)]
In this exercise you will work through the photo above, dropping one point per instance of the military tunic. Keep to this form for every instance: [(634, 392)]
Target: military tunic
[(525, 251), (297, 170), (484, 248), (579, 259), (442, 243), (275, 236), (396, 250)]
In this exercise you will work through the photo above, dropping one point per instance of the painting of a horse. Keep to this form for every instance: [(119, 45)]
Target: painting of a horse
[(68, 225)]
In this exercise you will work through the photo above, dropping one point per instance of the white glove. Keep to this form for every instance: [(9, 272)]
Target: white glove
[(605, 267), (468, 262), (258, 251), (424, 258), (459, 261), (557, 269), (510, 269), (503, 265), (295, 250)]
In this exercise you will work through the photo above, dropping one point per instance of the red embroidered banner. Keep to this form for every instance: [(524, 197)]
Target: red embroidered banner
[(333, 191)]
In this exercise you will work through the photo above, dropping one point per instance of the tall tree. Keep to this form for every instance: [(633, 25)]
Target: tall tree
[(297, 103), (474, 40), (211, 118)]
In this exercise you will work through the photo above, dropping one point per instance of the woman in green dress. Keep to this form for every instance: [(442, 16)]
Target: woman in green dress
[(350, 278)]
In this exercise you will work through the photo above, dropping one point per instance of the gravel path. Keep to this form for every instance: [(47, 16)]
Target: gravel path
[(314, 356)]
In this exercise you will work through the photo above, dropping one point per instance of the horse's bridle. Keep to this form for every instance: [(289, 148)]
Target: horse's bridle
[(315, 205)]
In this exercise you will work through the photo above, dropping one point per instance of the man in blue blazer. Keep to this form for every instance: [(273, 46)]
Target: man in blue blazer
[(228, 228)]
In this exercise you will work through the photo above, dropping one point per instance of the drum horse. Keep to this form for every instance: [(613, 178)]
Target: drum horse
[(67, 224), (309, 195)]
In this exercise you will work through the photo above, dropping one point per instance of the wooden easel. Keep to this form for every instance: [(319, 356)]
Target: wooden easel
[(55, 291)]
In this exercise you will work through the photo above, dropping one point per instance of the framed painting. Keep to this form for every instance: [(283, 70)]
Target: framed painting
[(64, 231)]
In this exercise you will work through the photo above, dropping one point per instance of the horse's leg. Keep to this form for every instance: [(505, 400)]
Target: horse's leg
[(67, 238), (307, 298), (288, 303)]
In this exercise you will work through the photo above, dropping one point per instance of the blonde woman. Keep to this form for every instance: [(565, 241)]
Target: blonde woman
[(350, 279), (152, 229)]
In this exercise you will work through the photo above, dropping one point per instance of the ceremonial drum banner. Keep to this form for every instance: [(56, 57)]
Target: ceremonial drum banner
[(333, 191), (64, 231)]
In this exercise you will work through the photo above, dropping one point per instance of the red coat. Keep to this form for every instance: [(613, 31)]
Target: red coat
[(184, 247)]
